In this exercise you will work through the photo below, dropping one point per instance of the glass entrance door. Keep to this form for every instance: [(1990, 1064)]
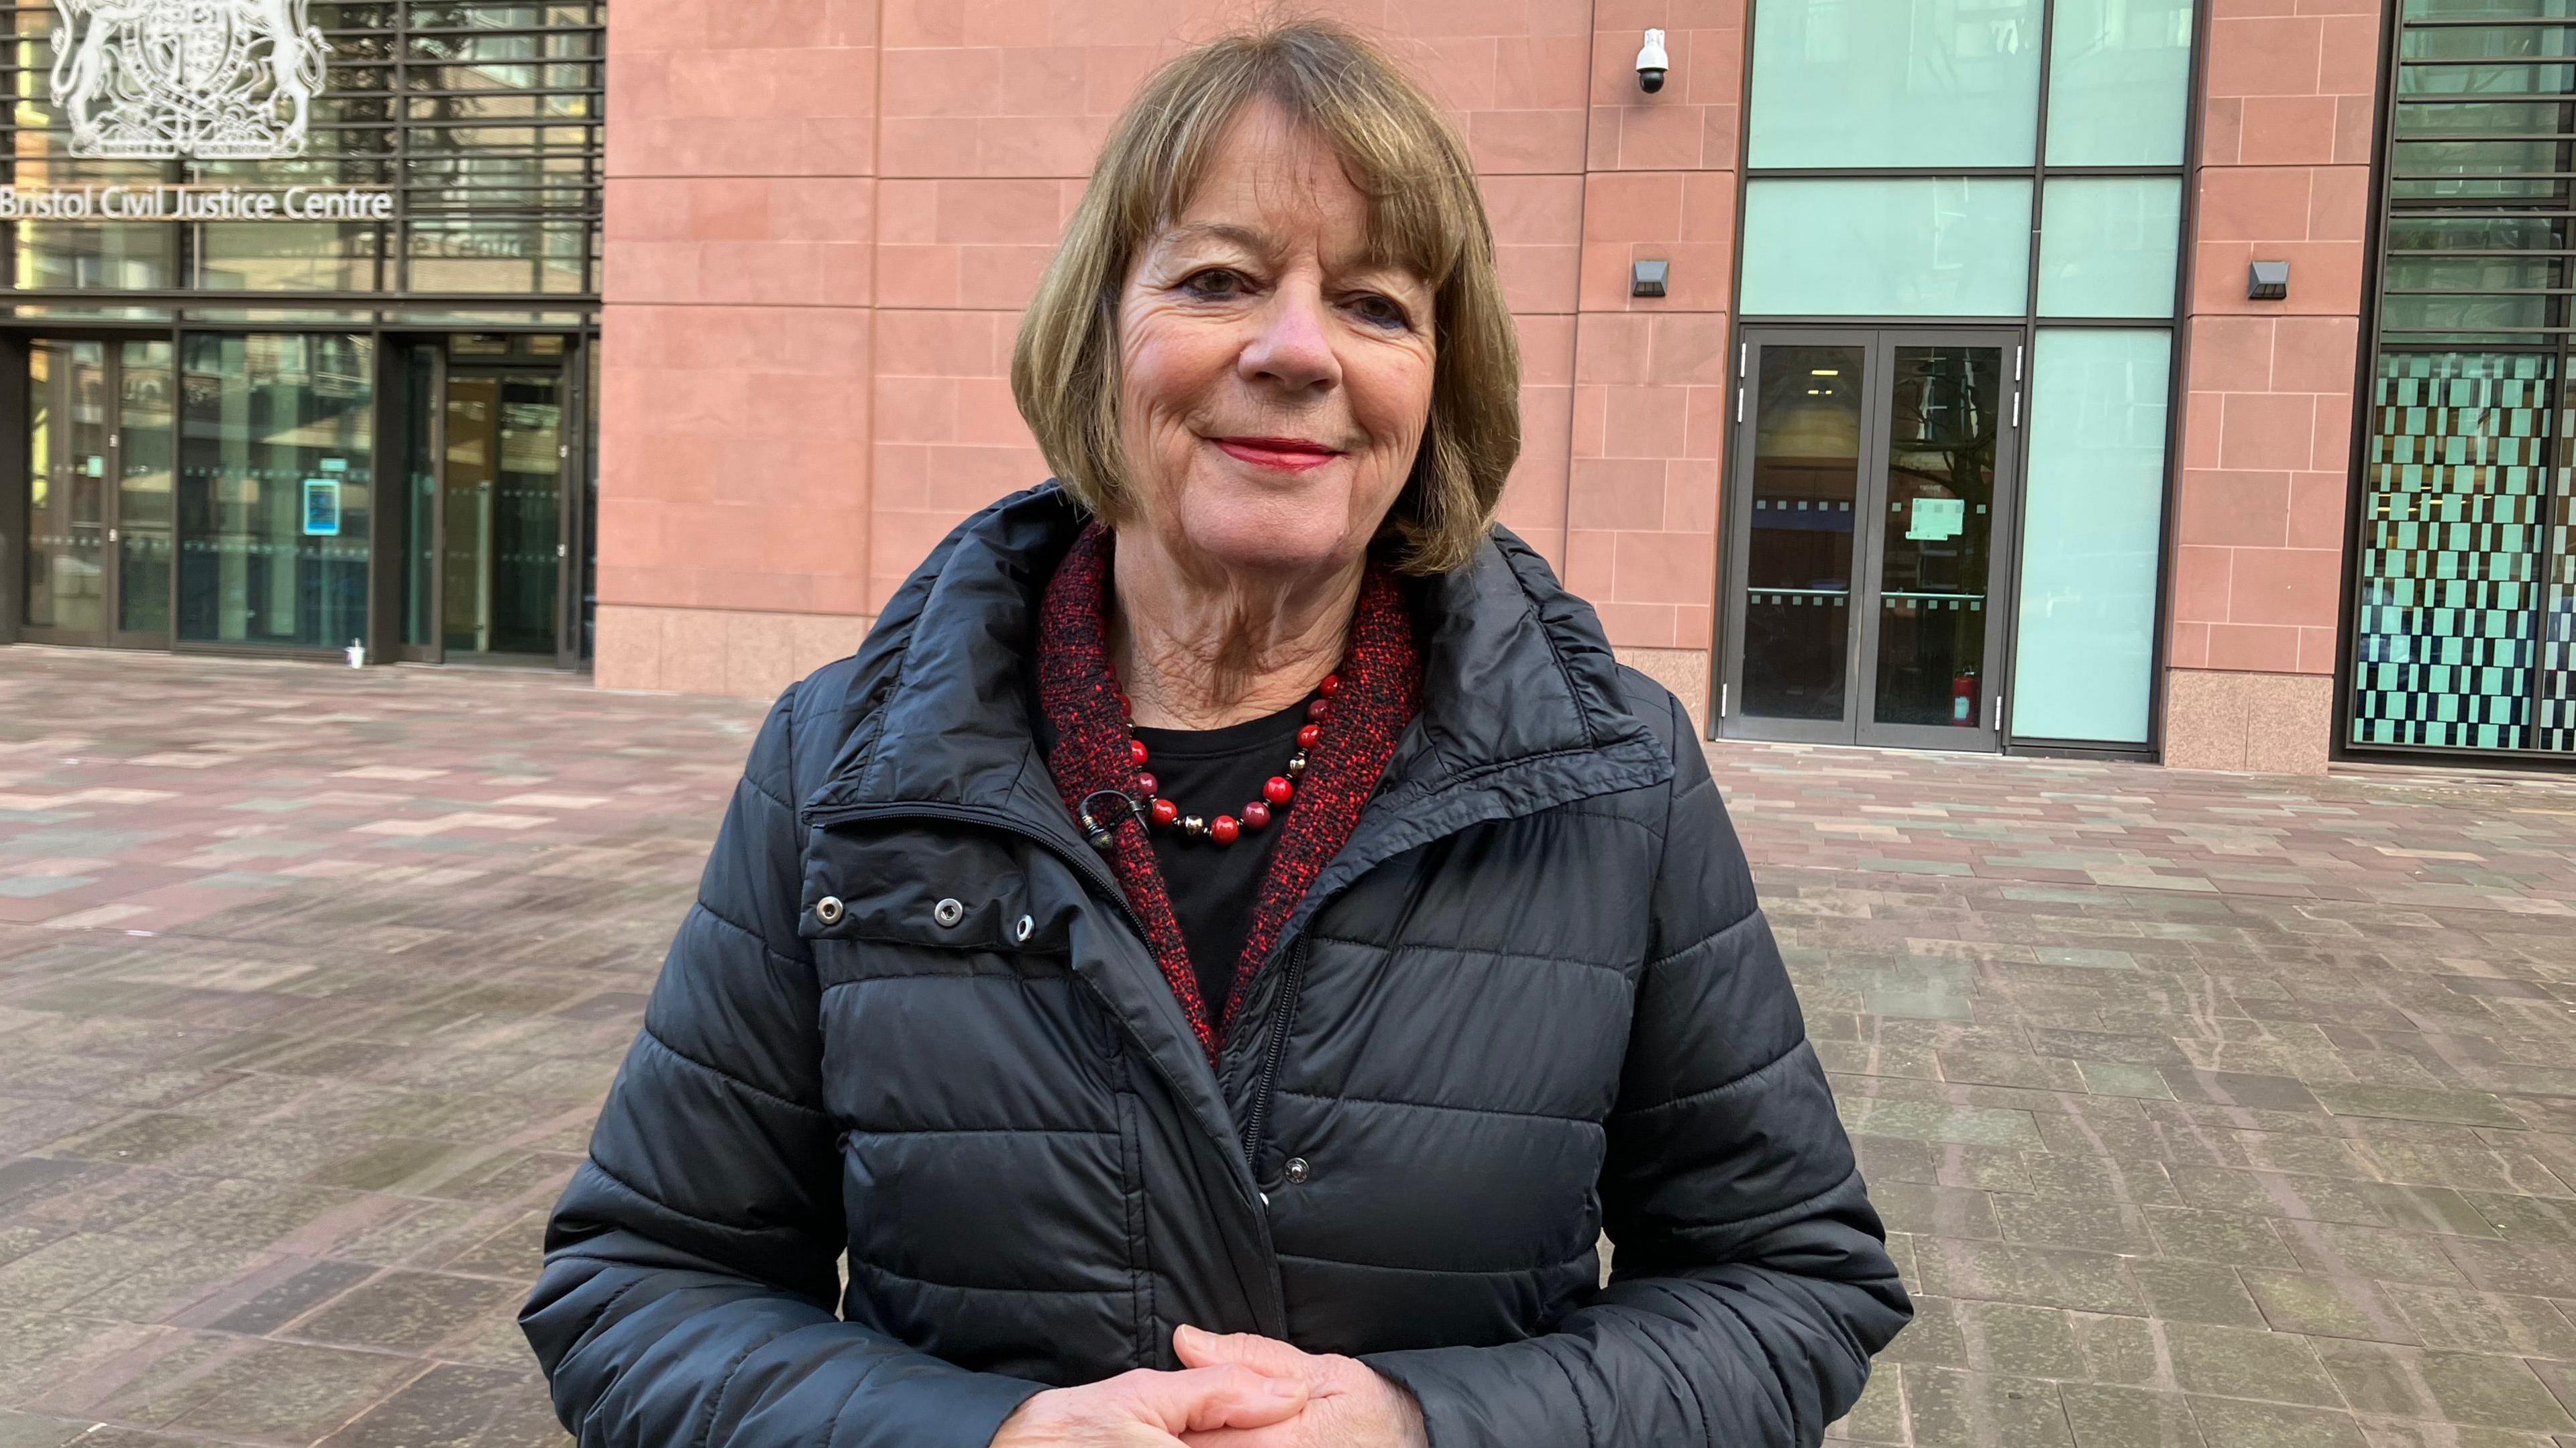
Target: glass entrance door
[(1873, 472), (100, 420), (502, 512)]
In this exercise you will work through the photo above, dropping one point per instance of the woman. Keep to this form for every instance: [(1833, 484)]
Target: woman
[(1230, 942)]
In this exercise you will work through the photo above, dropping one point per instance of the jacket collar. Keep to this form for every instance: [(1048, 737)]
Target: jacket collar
[(1521, 706), (954, 725)]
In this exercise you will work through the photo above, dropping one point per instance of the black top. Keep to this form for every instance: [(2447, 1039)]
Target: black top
[(1211, 772)]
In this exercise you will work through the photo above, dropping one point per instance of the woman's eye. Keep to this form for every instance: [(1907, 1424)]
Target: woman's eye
[(1214, 282), (1381, 311)]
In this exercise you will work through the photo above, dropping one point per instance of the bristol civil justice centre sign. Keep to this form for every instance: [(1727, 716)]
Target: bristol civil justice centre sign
[(189, 80)]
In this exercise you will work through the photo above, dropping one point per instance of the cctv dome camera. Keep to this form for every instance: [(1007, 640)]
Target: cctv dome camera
[(1652, 63)]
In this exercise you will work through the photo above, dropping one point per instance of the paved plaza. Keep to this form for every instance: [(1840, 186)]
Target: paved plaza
[(2206, 1110)]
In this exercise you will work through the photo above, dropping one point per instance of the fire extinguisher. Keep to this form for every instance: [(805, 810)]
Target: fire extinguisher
[(1963, 698)]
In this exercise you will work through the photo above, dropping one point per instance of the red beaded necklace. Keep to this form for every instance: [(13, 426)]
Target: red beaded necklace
[(1276, 792)]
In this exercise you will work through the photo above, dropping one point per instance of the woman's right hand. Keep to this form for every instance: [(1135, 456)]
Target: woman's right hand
[(1147, 1409)]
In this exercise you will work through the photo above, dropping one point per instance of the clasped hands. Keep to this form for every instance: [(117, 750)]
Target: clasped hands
[(1236, 1390)]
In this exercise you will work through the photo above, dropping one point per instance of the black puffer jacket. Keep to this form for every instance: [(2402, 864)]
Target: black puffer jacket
[(1532, 998)]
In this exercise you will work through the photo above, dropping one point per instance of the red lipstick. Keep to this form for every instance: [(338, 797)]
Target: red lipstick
[(1286, 454)]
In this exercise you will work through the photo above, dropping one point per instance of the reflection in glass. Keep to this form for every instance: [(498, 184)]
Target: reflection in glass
[(502, 499), (2433, 118), (2488, 9), (2459, 124), (1934, 553), (84, 255), (1916, 247), (287, 256), (2119, 81), (1895, 82), (2107, 246), (421, 404), (497, 256), (1805, 488), (67, 427), (276, 475), (145, 504), (2092, 514), (2458, 274)]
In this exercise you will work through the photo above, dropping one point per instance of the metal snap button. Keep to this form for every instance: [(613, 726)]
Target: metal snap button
[(1296, 1171), (948, 912), (828, 909), (1021, 932)]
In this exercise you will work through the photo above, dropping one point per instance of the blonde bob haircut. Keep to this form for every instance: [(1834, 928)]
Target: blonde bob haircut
[(1424, 214)]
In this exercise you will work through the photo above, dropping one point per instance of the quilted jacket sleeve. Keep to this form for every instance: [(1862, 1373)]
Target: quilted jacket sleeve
[(690, 1268), (1752, 1281)]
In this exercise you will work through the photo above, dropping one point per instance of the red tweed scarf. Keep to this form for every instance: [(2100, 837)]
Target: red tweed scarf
[(1381, 685)]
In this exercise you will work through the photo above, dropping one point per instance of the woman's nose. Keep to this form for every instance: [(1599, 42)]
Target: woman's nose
[(1292, 349)]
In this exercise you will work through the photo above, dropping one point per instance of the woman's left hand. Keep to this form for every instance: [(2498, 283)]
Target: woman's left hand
[(1348, 1404)]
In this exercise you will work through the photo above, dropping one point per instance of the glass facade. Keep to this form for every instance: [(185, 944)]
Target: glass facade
[(2110, 246), (2092, 533), (276, 488), (1908, 246), (1900, 158), (2119, 79), (2464, 609), (1894, 83), (227, 309)]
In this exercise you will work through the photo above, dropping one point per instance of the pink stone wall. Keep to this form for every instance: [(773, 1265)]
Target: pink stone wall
[(825, 216), (736, 386), (2268, 415)]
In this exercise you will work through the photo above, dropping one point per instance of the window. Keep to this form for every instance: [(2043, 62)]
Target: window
[(276, 483), (1899, 155), (2464, 603), (2091, 533), (1892, 83), (483, 119), (1929, 246)]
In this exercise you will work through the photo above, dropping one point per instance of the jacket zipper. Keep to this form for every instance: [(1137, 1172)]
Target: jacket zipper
[(1256, 1120)]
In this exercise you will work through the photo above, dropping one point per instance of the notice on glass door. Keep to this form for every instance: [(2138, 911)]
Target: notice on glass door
[(1937, 518), (321, 507)]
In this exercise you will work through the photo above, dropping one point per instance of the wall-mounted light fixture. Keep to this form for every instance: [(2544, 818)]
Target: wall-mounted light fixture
[(2268, 281), (1648, 278)]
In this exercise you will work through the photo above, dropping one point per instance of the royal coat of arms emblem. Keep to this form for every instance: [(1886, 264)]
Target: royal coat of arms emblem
[(202, 79)]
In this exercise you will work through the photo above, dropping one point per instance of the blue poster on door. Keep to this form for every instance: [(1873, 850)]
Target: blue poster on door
[(321, 507)]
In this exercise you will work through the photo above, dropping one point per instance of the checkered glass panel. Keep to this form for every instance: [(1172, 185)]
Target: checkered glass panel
[(2458, 502)]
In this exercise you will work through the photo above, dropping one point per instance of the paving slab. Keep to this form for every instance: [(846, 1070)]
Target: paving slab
[(2204, 1110)]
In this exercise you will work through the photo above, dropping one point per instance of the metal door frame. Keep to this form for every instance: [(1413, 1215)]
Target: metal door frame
[(1733, 723), (567, 370), (109, 634), (1987, 735), (433, 649), (1877, 344), (570, 546)]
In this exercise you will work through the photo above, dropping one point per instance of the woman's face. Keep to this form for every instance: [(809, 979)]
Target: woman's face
[(1274, 380)]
